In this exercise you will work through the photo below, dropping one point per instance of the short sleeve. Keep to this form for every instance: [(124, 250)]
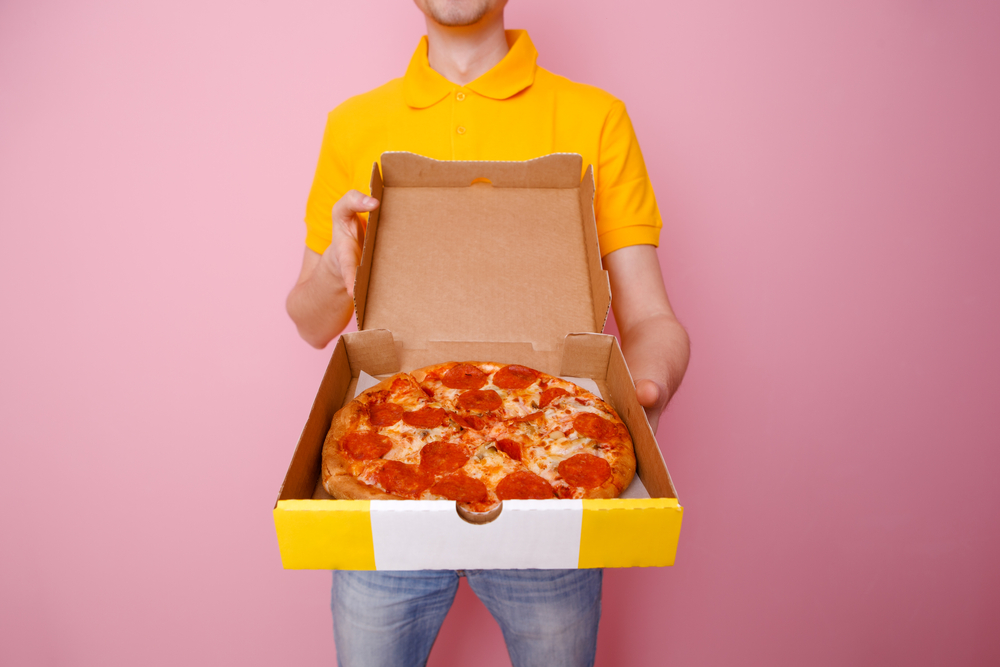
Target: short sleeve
[(624, 202), (331, 181)]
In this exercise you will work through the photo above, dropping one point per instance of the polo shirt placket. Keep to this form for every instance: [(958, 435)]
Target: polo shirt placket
[(460, 116)]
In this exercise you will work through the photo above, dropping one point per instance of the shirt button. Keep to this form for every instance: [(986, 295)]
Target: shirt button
[(460, 96), (460, 129)]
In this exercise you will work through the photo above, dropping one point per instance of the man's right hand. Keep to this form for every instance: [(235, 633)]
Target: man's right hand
[(322, 301), (344, 254)]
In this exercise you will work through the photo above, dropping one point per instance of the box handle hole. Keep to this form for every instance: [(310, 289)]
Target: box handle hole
[(481, 181), (479, 518)]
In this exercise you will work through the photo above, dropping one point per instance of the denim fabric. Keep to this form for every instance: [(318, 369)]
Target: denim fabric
[(390, 619)]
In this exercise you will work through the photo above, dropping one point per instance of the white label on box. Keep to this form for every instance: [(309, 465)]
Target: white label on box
[(429, 534)]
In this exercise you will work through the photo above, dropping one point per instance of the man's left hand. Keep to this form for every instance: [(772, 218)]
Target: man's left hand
[(654, 343), (653, 398)]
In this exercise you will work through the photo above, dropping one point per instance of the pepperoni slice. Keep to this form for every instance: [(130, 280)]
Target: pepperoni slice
[(481, 400), (460, 487), (400, 385), (365, 446), (550, 395), (524, 485), (464, 376), (585, 470), (515, 377), (440, 457), (469, 421), (403, 479), (510, 448), (594, 426), (528, 418), (385, 414), (426, 417)]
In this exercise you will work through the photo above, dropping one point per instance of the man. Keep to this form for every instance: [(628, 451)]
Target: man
[(473, 92)]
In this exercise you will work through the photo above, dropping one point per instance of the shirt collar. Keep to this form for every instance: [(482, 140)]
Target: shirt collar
[(424, 87)]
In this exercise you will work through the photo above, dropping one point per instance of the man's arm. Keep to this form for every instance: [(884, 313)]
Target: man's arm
[(654, 343), (322, 300)]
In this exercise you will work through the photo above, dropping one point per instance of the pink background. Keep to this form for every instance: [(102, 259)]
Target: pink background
[(828, 173)]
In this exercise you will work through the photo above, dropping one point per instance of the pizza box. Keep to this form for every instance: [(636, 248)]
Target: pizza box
[(487, 261)]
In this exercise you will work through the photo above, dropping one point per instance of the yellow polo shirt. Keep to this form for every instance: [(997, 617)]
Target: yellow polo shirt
[(515, 111)]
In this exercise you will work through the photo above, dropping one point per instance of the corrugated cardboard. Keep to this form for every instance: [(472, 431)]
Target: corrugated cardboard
[(484, 261)]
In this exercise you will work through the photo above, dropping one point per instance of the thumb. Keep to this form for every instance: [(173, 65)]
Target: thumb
[(351, 203), (648, 393)]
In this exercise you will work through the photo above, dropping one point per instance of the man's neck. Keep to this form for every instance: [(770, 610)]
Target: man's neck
[(463, 54)]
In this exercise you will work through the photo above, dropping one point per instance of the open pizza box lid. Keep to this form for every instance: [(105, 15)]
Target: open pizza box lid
[(481, 251)]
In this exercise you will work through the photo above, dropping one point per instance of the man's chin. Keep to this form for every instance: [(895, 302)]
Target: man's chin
[(465, 14)]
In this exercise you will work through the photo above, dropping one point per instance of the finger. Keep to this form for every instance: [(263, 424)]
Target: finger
[(349, 261), (353, 202), (349, 271), (648, 393)]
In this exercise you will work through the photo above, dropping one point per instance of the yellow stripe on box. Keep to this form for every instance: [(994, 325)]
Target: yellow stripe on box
[(325, 534), (633, 532)]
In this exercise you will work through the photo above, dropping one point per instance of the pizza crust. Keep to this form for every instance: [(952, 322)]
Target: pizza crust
[(622, 463), (622, 472), (337, 478)]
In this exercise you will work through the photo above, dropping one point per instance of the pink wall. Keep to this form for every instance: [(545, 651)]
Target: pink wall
[(828, 175)]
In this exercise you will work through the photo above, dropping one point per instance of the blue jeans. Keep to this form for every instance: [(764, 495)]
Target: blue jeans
[(390, 619)]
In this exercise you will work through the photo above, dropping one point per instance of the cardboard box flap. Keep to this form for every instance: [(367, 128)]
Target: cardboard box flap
[(362, 276), (482, 251)]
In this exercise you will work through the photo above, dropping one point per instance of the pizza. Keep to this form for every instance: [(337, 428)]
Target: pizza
[(477, 433)]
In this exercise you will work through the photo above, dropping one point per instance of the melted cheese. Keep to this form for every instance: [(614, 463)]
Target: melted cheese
[(544, 442)]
